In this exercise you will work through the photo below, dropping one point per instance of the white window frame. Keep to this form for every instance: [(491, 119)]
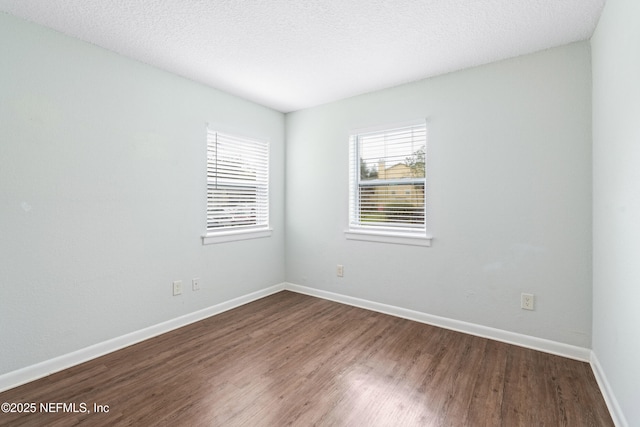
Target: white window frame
[(223, 172), (357, 230)]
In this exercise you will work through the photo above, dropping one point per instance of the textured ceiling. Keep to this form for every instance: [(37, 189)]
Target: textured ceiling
[(293, 54)]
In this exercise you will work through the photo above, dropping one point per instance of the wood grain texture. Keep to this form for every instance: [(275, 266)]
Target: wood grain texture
[(291, 359)]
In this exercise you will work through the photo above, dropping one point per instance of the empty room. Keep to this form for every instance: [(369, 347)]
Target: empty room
[(323, 212)]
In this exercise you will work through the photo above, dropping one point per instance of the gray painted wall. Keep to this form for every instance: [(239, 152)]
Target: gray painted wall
[(616, 201), (509, 177), (102, 196)]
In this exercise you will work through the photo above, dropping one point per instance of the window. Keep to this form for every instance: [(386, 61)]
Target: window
[(237, 188), (387, 184)]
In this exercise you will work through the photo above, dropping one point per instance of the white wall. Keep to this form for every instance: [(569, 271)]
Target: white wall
[(102, 196), (509, 176), (616, 201)]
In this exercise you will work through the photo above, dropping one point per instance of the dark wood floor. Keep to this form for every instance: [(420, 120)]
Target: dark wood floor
[(290, 359)]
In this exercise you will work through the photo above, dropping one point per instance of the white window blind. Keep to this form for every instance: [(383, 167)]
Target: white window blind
[(237, 183), (388, 179)]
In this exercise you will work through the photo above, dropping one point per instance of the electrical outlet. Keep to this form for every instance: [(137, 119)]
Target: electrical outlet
[(526, 301), (177, 287), (195, 284), (340, 270)]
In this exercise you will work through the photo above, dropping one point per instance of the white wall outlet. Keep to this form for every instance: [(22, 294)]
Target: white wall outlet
[(195, 284), (527, 301), (177, 287), (340, 270)]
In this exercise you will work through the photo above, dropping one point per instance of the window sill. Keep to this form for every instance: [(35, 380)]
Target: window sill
[(232, 236), (389, 237)]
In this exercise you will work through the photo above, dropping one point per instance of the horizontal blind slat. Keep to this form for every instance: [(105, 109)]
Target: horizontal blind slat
[(387, 177), (237, 182)]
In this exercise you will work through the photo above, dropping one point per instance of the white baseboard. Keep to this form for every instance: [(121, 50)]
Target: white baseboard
[(547, 346), (48, 367), (612, 403)]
